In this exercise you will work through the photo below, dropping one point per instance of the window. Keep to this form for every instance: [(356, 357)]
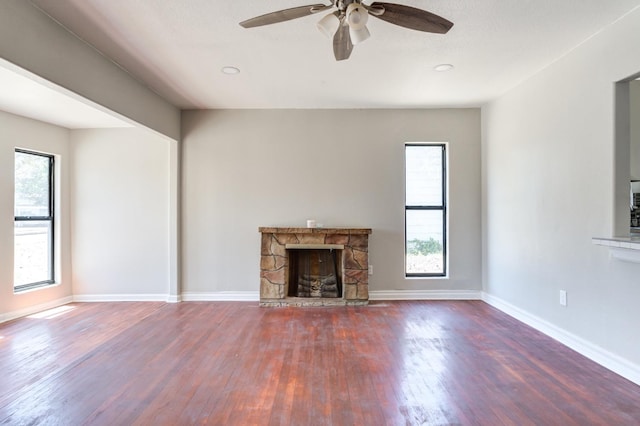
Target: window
[(33, 225), (425, 210)]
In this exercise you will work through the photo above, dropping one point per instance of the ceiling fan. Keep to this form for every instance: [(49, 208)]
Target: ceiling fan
[(347, 25)]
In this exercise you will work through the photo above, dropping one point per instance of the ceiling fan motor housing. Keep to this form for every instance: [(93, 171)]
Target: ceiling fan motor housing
[(342, 5)]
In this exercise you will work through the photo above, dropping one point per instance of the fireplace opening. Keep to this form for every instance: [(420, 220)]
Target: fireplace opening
[(315, 273)]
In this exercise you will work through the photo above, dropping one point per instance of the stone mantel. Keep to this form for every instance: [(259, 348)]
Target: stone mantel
[(274, 264), (339, 231)]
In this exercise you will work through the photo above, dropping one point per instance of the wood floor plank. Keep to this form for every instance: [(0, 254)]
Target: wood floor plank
[(47, 344), (233, 363)]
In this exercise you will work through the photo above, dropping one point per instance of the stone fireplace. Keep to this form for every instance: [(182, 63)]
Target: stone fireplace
[(314, 266)]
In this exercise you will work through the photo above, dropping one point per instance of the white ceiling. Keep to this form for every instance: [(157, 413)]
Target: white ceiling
[(178, 48)]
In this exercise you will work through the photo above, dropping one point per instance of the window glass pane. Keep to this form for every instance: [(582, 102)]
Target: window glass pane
[(425, 242), (31, 185), (32, 251), (424, 175)]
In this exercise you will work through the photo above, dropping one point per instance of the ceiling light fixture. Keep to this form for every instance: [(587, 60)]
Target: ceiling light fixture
[(346, 25), (329, 25), (230, 70), (443, 67), (357, 17)]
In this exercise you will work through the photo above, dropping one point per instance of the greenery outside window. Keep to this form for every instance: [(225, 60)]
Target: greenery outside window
[(425, 210), (34, 220)]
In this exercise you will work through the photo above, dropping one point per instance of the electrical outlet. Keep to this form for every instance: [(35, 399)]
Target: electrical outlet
[(563, 297), (370, 269)]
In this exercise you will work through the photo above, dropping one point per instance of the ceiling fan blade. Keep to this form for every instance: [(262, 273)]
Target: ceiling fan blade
[(284, 15), (410, 17), (342, 45)]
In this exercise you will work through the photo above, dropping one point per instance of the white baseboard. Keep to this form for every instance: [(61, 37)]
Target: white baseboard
[(34, 309), (222, 296), (120, 298), (227, 296), (425, 295), (174, 298), (254, 296), (618, 365)]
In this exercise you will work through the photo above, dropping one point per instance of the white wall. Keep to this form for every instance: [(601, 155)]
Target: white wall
[(31, 40), (548, 185), (120, 213), (19, 132), (244, 169)]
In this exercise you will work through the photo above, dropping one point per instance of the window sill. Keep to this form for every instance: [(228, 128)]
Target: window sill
[(426, 277), (29, 289), (622, 248)]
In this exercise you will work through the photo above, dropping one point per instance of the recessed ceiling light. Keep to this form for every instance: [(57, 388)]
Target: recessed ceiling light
[(230, 70), (443, 67)]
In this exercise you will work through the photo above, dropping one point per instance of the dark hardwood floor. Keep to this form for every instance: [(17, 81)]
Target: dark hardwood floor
[(232, 363)]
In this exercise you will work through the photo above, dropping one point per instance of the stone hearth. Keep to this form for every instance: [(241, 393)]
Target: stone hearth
[(353, 245)]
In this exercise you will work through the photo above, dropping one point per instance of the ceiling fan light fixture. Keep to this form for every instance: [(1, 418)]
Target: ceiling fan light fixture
[(359, 35), (328, 25), (347, 25), (357, 16)]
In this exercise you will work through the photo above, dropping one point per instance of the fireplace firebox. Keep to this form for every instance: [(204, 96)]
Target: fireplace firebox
[(314, 266), (315, 272)]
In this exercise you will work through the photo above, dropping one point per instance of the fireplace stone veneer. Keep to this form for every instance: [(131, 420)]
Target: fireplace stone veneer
[(274, 264)]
